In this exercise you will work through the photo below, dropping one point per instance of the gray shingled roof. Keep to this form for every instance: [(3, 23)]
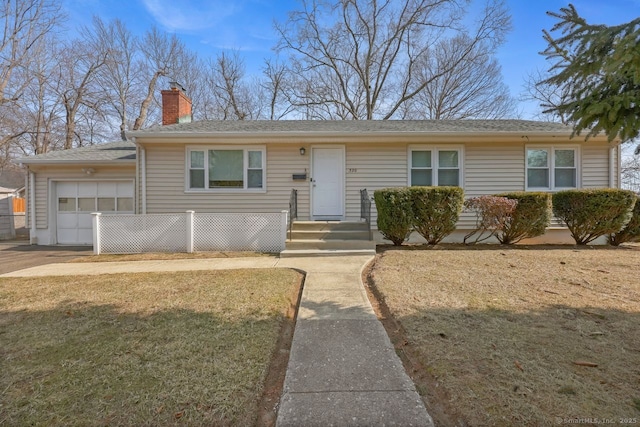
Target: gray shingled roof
[(119, 151), (355, 126), (125, 151)]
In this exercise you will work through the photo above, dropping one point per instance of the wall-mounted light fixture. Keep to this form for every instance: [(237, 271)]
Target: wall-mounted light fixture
[(302, 151), (89, 171)]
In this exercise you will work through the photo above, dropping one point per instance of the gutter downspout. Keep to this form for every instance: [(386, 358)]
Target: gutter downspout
[(612, 181), (143, 178), (33, 239), (619, 174)]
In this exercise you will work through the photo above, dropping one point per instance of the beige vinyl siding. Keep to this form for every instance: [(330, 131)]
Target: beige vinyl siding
[(44, 175), (491, 170), (373, 167), (595, 165), (42, 199), (166, 187), (488, 168)]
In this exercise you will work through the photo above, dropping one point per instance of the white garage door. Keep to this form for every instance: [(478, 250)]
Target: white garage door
[(76, 201)]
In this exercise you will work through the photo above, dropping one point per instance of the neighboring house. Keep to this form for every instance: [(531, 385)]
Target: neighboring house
[(6, 192), (17, 195), (252, 166), (20, 192), (7, 229)]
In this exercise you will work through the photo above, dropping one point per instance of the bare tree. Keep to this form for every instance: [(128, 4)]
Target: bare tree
[(25, 23), (277, 90), (134, 68), (462, 83), (33, 120), (227, 83), (44, 112), (162, 55), (234, 98), (358, 59), (119, 78), (191, 74), (78, 66), (548, 97), (630, 169)]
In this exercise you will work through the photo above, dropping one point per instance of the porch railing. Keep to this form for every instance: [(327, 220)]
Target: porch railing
[(293, 209), (365, 209)]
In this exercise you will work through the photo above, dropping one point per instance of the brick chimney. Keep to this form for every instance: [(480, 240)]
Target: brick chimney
[(176, 106)]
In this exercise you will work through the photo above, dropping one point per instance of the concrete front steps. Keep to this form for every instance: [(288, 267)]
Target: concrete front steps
[(326, 238)]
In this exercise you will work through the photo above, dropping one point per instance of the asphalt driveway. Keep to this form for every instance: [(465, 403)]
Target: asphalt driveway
[(18, 255)]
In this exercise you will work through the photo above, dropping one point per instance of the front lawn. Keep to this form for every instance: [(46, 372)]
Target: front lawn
[(189, 348), (517, 336)]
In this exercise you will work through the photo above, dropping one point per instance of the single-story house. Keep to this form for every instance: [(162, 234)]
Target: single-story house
[(253, 166)]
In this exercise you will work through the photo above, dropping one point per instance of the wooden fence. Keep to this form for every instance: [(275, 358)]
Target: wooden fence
[(18, 204)]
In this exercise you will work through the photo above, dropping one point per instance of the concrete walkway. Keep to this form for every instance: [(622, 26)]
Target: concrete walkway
[(343, 369), (115, 267)]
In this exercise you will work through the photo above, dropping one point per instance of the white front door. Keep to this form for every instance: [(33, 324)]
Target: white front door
[(327, 186)]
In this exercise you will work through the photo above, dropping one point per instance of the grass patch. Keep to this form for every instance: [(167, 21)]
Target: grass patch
[(139, 349), (511, 336), (161, 256)]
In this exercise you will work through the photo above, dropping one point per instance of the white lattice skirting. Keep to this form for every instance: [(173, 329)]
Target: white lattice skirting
[(189, 232)]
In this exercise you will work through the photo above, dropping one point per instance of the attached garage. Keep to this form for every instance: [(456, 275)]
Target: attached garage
[(77, 199), (65, 187)]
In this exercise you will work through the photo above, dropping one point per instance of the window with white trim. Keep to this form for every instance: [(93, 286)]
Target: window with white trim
[(551, 168), (429, 166), (226, 168)]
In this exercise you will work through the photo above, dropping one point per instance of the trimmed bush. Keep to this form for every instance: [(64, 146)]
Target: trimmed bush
[(631, 231), (394, 213), (530, 218), (493, 214), (436, 211), (592, 213)]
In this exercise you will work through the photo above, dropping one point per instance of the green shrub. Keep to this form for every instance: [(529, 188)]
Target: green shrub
[(592, 213), (631, 231), (394, 213), (436, 211), (493, 214), (530, 218)]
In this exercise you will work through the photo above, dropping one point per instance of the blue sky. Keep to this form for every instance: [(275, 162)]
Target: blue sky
[(210, 26)]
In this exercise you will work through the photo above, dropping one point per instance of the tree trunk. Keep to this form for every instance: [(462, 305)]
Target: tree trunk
[(144, 107)]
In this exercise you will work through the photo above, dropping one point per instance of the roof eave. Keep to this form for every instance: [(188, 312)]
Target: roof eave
[(112, 162), (169, 136)]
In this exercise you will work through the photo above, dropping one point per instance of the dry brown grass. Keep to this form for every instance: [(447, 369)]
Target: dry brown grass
[(499, 330), (160, 256), (189, 348)]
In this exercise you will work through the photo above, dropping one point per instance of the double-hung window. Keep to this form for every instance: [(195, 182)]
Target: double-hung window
[(434, 166), (551, 168), (226, 168)]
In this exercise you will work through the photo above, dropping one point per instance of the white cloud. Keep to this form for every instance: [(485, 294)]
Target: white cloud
[(189, 16)]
